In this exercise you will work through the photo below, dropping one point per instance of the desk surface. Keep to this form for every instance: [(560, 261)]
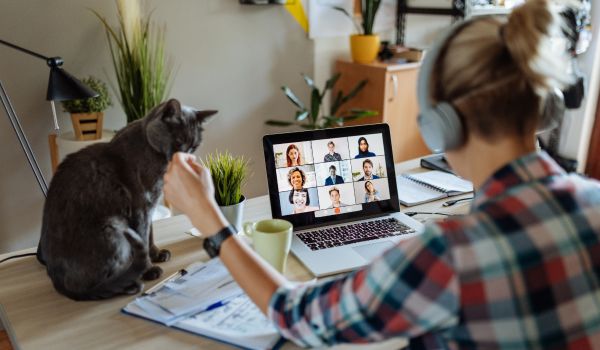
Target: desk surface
[(37, 317)]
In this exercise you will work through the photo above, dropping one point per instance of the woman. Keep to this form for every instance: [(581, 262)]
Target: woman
[(293, 155), (519, 271), (300, 200), (296, 178), (363, 149), (371, 194)]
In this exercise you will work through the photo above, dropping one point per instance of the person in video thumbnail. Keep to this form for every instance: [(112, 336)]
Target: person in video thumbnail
[(332, 156), (371, 194), (296, 178), (333, 179), (363, 149), (368, 170), (300, 200), (293, 155), (334, 196)]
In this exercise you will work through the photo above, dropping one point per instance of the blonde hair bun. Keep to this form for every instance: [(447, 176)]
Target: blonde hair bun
[(534, 35)]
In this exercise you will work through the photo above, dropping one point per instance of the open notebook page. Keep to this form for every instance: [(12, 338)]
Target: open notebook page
[(444, 180), (411, 193)]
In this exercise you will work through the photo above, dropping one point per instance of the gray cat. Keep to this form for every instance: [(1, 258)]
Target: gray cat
[(96, 239)]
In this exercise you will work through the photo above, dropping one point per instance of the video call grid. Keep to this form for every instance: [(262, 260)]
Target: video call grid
[(348, 159)]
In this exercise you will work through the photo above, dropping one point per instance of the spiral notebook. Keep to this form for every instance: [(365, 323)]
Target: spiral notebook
[(414, 189)]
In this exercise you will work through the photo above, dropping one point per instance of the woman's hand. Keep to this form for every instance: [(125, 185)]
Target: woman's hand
[(188, 187)]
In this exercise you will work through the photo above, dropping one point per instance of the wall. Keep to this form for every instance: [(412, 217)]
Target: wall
[(227, 56), (576, 136)]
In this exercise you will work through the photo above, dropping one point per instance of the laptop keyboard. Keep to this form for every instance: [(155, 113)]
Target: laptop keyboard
[(353, 233)]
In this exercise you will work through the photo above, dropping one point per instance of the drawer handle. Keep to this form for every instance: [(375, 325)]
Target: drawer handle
[(394, 87)]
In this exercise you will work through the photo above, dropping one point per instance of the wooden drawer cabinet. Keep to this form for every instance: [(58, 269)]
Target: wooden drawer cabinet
[(391, 91)]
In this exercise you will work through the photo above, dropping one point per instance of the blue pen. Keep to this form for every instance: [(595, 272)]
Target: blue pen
[(216, 305)]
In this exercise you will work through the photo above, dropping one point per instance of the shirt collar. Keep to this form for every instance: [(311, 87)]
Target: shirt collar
[(530, 167)]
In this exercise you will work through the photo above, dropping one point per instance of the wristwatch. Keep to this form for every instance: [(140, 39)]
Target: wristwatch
[(212, 244)]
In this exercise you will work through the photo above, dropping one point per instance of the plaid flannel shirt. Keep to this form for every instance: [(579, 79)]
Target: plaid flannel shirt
[(521, 270)]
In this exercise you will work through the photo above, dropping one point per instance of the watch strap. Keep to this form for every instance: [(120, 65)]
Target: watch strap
[(212, 244)]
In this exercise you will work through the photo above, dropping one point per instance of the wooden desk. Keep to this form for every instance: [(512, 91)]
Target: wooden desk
[(37, 317)]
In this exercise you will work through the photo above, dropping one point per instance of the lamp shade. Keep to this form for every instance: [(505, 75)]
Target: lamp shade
[(63, 86)]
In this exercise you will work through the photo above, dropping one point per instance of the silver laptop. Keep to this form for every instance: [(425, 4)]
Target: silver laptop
[(338, 188)]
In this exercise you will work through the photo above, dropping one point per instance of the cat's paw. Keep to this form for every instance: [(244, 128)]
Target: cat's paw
[(161, 255), (133, 288), (152, 273)]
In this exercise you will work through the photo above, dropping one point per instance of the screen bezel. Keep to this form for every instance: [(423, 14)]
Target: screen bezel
[(306, 220)]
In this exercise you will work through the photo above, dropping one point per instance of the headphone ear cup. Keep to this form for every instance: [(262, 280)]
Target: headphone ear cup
[(441, 128), (553, 112)]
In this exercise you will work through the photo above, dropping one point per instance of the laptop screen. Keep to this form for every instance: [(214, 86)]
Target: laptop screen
[(331, 175)]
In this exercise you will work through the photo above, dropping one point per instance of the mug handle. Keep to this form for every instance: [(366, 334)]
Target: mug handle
[(248, 228)]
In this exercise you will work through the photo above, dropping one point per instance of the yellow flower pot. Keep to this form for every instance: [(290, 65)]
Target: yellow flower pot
[(364, 48)]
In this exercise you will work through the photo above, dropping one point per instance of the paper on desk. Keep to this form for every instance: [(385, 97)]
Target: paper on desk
[(238, 317), (203, 285)]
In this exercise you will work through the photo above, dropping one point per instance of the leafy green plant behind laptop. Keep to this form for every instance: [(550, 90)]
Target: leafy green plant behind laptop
[(310, 117)]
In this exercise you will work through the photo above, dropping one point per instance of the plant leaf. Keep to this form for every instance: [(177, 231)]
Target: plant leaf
[(354, 91), (278, 123), (315, 105), (309, 81), (331, 82), (350, 17), (292, 97), (301, 115), (337, 102)]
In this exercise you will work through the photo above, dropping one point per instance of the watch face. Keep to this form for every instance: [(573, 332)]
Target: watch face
[(210, 248)]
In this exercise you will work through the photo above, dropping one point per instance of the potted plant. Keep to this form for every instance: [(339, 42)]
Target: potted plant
[(137, 51), (311, 118), (87, 114), (229, 174), (364, 46)]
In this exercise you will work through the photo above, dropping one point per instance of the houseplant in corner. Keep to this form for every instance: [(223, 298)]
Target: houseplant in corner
[(311, 118), (229, 174), (364, 46), (87, 115), (137, 52)]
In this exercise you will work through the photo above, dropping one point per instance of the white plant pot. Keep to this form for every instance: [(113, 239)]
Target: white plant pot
[(161, 212), (234, 213)]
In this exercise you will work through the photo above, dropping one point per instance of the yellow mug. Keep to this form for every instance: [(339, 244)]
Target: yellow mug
[(272, 239)]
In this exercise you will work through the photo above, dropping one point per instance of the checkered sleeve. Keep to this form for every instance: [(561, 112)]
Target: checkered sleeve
[(410, 290)]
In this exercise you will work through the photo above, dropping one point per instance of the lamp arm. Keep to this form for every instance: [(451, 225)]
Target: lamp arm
[(51, 61), (24, 50), (12, 116)]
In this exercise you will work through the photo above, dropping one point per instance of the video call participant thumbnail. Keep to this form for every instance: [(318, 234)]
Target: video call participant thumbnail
[(335, 198), (296, 178), (292, 155), (363, 149), (300, 200), (332, 155), (333, 179), (371, 194), (367, 166)]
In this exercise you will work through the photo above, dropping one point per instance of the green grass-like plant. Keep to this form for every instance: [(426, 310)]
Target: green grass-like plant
[(310, 117), (138, 56), (90, 105), (368, 11), (229, 174)]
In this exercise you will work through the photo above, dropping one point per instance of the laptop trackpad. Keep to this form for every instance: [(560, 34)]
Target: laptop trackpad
[(372, 251)]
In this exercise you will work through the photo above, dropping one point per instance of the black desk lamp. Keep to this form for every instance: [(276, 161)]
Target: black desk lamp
[(61, 86)]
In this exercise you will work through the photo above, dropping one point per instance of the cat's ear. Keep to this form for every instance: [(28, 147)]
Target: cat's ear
[(172, 110), (205, 116)]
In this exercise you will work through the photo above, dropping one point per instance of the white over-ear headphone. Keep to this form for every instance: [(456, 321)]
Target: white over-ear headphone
[(440, 124)]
